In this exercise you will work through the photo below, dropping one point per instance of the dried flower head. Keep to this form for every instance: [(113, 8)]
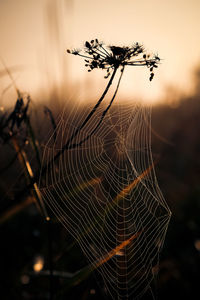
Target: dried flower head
[(19, 114), (112, 57)]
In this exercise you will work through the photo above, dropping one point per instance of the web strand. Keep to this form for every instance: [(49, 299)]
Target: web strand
[(106, 194)]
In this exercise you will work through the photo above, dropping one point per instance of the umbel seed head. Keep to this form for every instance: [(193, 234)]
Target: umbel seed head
[(97, 56)]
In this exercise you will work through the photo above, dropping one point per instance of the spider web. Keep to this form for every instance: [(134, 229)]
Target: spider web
[(106, 194)]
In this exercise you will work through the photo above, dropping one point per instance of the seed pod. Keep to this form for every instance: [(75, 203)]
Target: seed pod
[(151, 76), (87, 44)]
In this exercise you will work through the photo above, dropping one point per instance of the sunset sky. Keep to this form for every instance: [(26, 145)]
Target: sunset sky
[(34, 36)]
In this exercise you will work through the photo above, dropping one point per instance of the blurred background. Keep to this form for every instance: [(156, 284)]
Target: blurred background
[(34, 65)]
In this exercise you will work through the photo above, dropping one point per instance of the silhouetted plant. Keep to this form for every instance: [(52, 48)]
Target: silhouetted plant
[(107, 58), (112, 57)]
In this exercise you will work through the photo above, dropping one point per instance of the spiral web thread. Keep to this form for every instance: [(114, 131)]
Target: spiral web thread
[(106, 194)]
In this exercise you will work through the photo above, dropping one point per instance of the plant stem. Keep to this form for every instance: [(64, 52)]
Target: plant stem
[(30, 177), (102, 116), (67, 145)]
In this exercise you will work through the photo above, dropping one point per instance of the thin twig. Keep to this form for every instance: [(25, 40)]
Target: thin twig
[(102, 116), (67, 145)]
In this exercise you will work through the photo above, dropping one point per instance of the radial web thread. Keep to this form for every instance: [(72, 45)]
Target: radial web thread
[(106, 194)]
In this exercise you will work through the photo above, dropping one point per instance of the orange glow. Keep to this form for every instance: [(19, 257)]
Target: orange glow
[(39, 264), (133, 184), (88, 183), (117, 250), (29, 173), (120, 196), (85, 185), (170, 28)]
